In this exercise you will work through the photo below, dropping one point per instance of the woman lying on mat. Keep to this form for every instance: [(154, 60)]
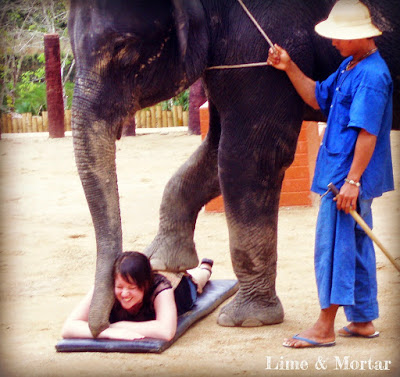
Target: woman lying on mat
[(146, 304)]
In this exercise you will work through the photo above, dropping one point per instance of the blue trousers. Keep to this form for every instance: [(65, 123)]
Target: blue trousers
[(345, 266)]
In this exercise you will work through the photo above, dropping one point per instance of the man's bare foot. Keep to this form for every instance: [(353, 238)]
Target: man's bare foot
[(362, 329), (316, 336)]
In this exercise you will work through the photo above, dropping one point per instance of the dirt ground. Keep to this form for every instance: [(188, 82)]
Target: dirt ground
[(48, 258)]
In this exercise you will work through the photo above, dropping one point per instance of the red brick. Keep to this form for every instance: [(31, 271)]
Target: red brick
[(289, 199), (215, 205), (297, 172), (295, 185)]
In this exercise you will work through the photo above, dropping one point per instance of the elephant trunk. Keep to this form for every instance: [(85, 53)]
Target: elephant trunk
[(95, 152)]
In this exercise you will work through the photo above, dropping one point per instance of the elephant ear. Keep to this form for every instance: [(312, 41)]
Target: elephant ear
[(182, 25)]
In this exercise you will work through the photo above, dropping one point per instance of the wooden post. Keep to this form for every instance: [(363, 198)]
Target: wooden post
[(148, 119), (169, 118), (45, 121), (40, 123), (55, 103), (164, 119), (158, 122), (29, 122), (67, 120), (3, 122), (153, 117), (142, 118), (20, 125), (180, 117), (14, 125), (175, 115), (185, 116), (9, 123), (34, 124)]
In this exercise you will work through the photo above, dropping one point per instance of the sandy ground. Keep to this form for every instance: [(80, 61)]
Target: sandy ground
[(48, 256)]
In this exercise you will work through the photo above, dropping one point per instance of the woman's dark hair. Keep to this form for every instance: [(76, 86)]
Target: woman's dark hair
[(134, 267)]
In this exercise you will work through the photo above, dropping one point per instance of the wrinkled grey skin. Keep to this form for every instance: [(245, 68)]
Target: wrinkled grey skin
[(130, 55)]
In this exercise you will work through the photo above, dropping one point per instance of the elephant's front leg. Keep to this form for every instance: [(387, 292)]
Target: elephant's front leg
[(190, 188), (251, 187), (94, 146)]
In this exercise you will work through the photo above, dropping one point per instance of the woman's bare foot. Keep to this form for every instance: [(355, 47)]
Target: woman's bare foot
[(362, 329), (201, 275)]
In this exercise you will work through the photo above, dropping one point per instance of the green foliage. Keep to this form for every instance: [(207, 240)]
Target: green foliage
[(69, 92), (30, 92), (31, 98), (181, 99)]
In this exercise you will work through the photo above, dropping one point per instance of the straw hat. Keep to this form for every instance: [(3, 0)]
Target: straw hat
[(349, 19)]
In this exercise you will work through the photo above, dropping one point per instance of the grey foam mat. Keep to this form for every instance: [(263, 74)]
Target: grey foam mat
[(215, 293)]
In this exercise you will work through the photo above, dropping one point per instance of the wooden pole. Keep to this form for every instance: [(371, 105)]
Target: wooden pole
[(180, 116), (29, 122), (142, 118), (55, 103), (185, 116), (67, 119), (164, 119), (20, 125), (9, 123), (169, 119), (367, 229), (40, 123), (45, 121), (4, 123), (174, 116), (14, 125), (34, 124), (153, 117), (148, 119)]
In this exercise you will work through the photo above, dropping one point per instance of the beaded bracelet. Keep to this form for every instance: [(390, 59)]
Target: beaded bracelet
[(351, 182)]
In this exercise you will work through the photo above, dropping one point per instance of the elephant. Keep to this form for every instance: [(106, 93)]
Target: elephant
[(133, 54)]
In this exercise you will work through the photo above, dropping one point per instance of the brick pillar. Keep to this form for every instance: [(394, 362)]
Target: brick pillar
[(54, 90)]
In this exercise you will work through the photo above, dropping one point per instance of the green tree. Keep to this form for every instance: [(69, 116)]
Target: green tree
[(23, 24)]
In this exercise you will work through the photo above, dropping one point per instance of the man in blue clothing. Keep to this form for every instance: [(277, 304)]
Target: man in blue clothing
[(354, 155)]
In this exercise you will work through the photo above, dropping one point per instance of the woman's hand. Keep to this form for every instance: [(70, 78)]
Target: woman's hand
[(120, 333)]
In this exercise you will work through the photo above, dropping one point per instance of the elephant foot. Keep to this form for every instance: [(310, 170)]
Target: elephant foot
[(172, 253), (250, 312)]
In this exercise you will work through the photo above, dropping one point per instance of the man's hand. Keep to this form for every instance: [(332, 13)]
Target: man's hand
[(347, 198), (279, 59)]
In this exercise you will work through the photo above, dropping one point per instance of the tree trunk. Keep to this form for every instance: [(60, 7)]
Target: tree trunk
[(54, 90), (197, 97)]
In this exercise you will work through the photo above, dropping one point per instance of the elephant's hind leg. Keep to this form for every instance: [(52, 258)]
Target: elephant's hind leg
[(251, 181), (190, 188)]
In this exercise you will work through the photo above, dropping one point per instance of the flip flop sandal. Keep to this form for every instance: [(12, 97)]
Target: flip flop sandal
[(350, 333), (312, 343)]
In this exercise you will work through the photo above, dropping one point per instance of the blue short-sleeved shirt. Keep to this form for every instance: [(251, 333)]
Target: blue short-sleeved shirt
[(360, 98)]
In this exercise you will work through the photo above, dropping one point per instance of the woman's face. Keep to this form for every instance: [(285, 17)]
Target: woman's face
[(127, 293)]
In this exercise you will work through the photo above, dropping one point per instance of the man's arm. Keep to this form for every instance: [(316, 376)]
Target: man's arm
[(304, 85), (365, 146)]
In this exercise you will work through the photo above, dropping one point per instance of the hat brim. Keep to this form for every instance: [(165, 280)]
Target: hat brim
[(331, 30)]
